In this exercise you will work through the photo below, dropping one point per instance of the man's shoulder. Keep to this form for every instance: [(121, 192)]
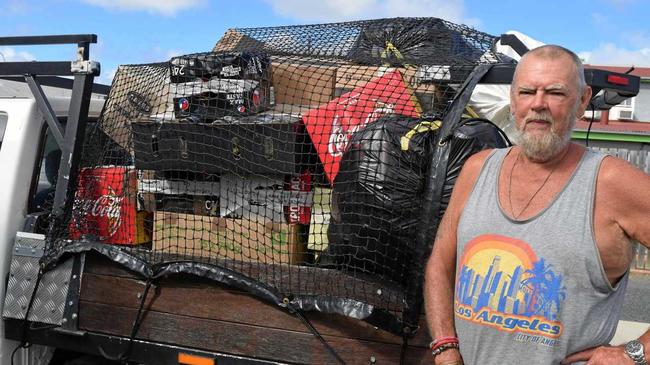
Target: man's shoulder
[(619, 179), (616, 171), (622, 197)]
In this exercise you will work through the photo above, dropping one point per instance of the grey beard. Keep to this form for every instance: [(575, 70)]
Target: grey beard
[(543, 148)]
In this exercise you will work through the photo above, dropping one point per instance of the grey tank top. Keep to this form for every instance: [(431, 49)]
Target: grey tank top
[(532, 291)]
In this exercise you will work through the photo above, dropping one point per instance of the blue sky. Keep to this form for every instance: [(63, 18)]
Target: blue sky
[(139, 31)]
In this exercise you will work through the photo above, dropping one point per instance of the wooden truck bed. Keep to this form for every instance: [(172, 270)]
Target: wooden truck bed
[(191, 312)]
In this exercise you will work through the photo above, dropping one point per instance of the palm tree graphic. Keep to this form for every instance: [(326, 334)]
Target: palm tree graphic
[(546, 290)]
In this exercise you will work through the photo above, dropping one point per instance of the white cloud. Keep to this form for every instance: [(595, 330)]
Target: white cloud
[(8, 54), (639, 39), (164, 7), (343, 10), (106, 78), (611, 54), (585, 56)]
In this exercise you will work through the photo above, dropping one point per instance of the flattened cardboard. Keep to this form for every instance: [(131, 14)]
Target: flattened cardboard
[(320, 219), (331, 126)]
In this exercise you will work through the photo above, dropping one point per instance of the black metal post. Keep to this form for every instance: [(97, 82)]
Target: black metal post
[(72, 145)]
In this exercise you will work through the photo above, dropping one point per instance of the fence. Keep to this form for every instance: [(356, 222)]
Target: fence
[(641, 259)]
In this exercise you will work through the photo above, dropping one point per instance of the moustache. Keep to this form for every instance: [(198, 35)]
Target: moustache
[(539, 116)]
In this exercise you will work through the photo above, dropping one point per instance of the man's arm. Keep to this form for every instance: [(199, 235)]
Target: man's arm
[(441, 267), (626, 191), (624, 199)]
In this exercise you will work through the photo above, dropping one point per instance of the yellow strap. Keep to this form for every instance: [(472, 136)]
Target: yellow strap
[(471, 112), (426, 126), (390, 48)]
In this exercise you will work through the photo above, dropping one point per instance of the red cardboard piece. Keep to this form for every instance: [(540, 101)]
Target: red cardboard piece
[(332, 125)]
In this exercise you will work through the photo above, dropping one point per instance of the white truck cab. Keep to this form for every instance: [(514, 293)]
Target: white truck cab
[(26, 141)]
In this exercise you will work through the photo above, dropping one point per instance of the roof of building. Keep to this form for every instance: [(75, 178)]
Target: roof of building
[(615, 126)]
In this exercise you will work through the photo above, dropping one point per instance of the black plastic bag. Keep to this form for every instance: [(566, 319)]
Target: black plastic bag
[(373, 215), (376, 197), (470, 137), (403, 41)]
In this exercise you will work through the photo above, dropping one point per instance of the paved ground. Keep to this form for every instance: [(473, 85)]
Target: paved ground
[(635, 318), (637, 301)]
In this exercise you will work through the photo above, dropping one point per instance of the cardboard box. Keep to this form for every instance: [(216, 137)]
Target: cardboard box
[(237, 239), (233, 40), (104, 207), (138, 92), (302, 83), (349, 77), (295, 80)]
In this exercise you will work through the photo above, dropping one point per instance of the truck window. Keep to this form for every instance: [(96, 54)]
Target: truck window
[(47, 170), (45, 179), (3, 125)]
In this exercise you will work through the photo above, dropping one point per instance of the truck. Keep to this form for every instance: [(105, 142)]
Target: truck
[(166, 219)]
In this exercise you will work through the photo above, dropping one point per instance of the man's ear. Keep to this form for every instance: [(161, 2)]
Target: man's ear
[(584, 100), (512, 98)]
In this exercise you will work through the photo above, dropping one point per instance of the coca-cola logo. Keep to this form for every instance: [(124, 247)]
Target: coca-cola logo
[(107, 207), (340, 136)]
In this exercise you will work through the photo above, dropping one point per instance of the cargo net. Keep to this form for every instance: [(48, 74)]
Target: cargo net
[(294, 158)]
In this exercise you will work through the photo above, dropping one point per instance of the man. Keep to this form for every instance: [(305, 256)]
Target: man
[(531, 259)]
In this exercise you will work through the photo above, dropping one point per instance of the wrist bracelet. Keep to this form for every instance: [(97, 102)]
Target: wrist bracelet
[(444, 347), (444, 342), (439, 340)]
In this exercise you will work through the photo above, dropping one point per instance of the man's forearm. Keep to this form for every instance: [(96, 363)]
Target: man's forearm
[(439, 296)]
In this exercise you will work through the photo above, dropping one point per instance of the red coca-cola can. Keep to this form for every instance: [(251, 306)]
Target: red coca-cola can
[(104, 208)]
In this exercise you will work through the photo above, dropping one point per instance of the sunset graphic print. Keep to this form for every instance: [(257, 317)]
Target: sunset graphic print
[(501, 283)]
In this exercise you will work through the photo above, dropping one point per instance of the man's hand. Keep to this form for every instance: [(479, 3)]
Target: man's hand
[(602, 355), (449, 357)]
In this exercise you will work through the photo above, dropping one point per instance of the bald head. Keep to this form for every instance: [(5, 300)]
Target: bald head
[(554, 52)]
